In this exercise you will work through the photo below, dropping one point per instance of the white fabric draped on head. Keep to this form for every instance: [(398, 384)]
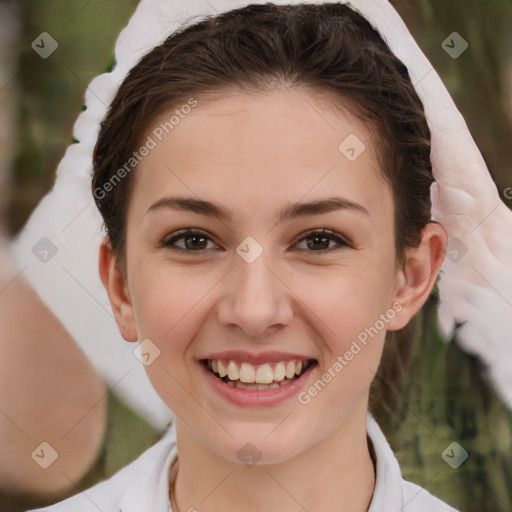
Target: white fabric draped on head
[(476, 279)]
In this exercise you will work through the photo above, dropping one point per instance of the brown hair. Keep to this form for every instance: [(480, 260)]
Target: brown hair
[(326, 48)]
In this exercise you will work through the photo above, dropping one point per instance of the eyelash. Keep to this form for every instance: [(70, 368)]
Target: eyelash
[(342, 242)]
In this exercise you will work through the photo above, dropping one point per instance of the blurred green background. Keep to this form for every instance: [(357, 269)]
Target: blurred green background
[(444, 398)]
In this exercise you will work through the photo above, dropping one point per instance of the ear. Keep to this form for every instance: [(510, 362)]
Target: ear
[(117, 290), (419, 273)]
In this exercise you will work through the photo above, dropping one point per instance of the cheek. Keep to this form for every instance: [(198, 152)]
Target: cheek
[(352, 310), (352, 334), (344, 301), (169, 309), (170, 302)]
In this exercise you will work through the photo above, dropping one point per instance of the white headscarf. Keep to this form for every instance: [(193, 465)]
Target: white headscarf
[(58, 248)]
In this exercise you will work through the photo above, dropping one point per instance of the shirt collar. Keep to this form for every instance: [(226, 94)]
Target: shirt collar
[(388, 492), (149, 493)]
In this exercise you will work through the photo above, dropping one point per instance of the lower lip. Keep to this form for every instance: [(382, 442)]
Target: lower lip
[(256, 398)]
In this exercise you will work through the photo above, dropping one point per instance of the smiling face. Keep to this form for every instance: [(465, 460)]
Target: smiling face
[(255, 290)]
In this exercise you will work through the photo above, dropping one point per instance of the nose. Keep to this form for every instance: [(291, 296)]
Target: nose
[(255, 299)]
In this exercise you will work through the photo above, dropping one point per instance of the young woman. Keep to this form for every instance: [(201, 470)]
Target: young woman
[(264, 178)]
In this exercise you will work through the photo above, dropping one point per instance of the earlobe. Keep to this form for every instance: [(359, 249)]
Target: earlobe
[(117, 290), (419, 274)]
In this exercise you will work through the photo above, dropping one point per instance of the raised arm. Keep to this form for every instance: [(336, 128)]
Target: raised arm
[(53, 404)]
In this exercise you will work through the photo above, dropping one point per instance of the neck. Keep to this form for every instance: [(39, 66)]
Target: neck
[(334, 474)]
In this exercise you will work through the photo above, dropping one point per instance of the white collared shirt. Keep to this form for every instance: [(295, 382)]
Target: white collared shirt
[(143, 485)]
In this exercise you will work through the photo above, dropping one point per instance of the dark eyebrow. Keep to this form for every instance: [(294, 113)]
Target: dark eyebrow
[(319, 207), (291, 211), (192, 204)]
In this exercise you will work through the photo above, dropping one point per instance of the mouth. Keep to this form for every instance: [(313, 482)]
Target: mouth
[(258, 377)]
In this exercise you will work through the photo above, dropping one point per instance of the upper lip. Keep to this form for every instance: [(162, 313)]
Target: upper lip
[(260, 358)]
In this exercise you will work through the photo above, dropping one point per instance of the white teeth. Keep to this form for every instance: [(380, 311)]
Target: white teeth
[(247, 373), (290, 370), (257, 387), (261, 376), (221, 369), (279, 372), (264, 374), (233, 371)]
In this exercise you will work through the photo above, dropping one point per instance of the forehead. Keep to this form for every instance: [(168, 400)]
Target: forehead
[(240, 148)]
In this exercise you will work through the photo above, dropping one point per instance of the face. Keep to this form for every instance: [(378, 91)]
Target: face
[(229, 270)]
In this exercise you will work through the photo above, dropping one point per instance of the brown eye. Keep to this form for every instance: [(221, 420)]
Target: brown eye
[(189, 241), (317, 242), (320, 240), (195, 242)]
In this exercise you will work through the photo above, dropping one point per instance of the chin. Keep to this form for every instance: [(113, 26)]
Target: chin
[(259, 444)]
